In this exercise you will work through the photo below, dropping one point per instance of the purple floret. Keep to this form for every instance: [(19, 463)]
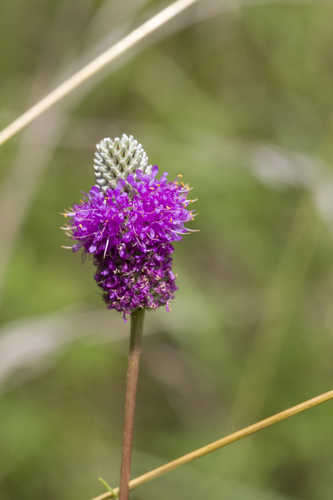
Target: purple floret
[(130, 233)]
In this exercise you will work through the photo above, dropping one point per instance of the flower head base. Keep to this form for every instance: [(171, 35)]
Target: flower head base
[(129, 231)]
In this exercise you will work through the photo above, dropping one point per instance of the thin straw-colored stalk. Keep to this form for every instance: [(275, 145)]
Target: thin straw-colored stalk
[(94, 67), (220, 443)]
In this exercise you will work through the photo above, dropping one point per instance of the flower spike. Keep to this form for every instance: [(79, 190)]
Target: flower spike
[(128, 223)]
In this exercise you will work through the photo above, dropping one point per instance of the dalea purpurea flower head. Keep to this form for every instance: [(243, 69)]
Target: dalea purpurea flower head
[(128, 222)]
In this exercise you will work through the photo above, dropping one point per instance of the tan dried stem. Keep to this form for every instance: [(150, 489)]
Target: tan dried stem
[(221, 443), (94, 67)]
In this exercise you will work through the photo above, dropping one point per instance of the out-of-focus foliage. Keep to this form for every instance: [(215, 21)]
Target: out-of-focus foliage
[(239, 102)]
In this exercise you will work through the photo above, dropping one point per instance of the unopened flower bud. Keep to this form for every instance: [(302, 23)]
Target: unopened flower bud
[(116, 159)]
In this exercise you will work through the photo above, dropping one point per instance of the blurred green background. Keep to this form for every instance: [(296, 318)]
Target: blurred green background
[(236, 96)]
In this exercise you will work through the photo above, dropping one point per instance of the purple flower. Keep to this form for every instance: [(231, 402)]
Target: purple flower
[(129, 231)]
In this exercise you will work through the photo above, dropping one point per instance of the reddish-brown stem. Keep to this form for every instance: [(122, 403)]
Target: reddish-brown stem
[(137, 318)]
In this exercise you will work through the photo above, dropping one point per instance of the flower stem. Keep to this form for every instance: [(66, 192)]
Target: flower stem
[(137, 318)]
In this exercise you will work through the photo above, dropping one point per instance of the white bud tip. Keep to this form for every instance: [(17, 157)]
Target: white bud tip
[(116, 158)]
